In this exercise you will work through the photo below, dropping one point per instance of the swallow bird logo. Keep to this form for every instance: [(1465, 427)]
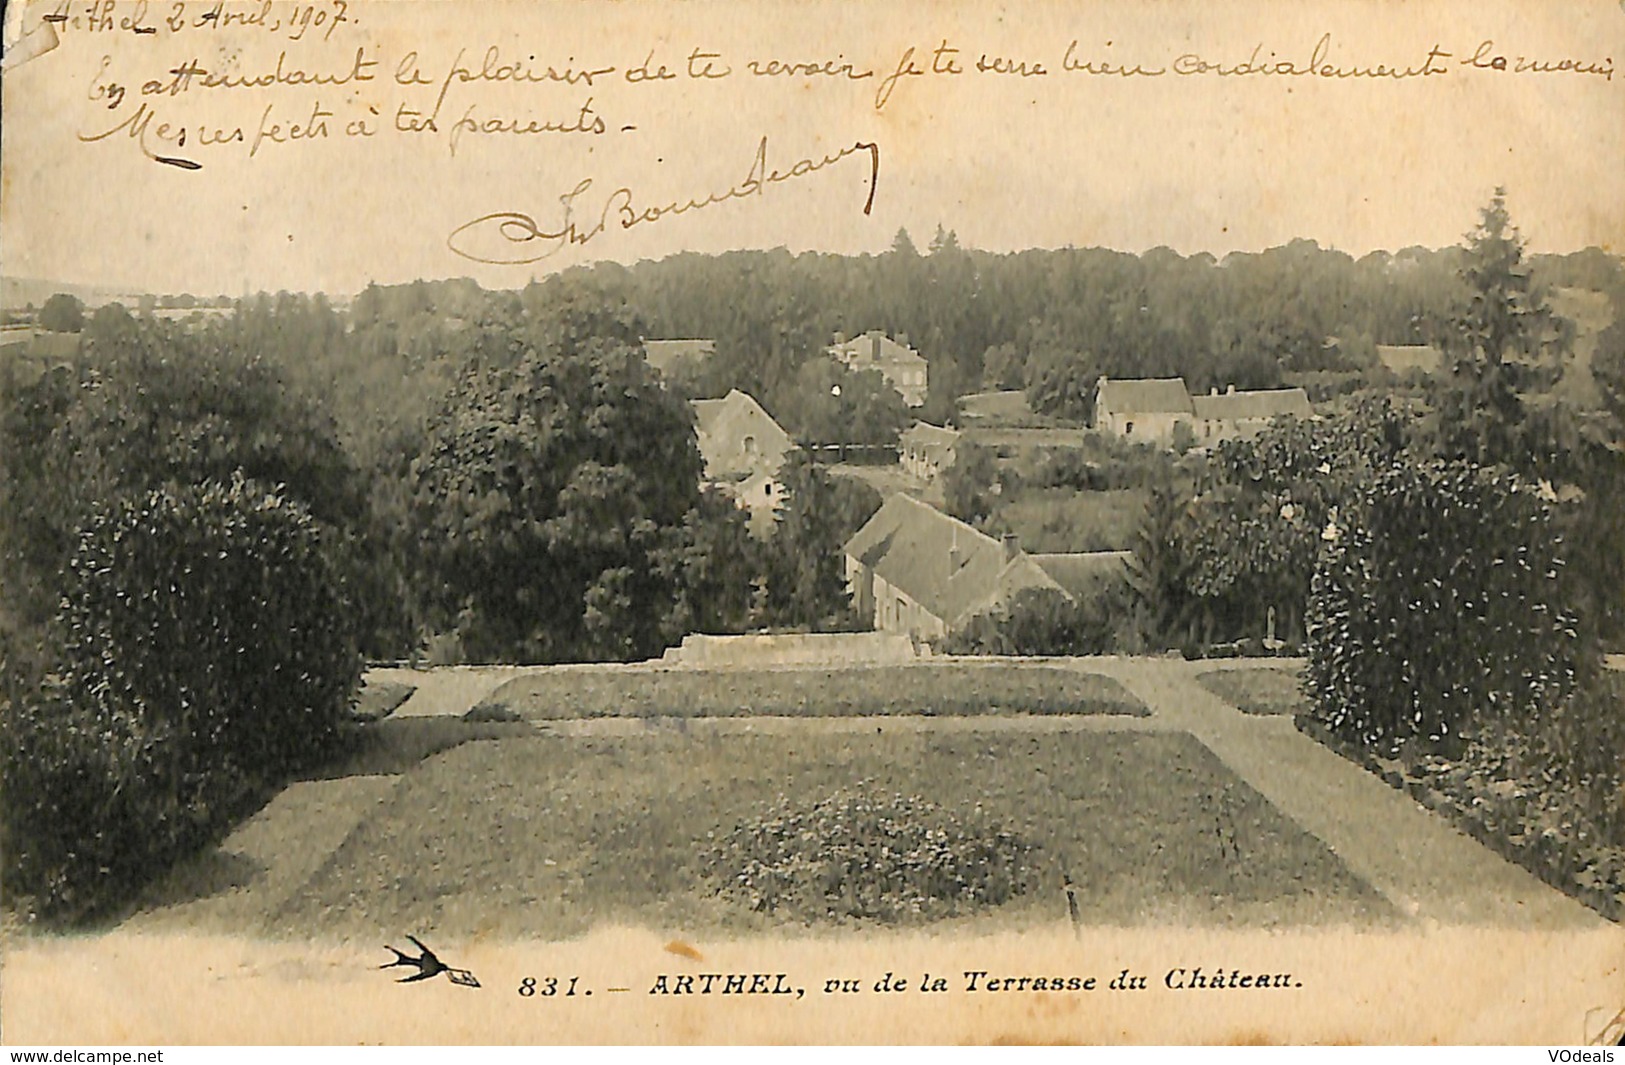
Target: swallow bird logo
[(428, 965)]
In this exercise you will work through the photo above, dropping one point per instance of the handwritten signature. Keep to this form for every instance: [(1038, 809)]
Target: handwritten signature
[(511, 238)]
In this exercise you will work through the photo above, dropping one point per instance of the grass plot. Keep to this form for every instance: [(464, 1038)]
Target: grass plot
[(547, 836)]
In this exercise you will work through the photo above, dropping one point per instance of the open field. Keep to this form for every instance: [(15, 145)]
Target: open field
[(1590, 313), (1066, 519), (549, 836), (941, 690), (889, 481)]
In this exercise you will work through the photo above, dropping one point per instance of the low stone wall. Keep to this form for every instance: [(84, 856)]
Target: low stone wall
[(795, 649)]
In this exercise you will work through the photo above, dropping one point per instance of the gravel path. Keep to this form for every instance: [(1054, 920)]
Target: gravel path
[(447, 690), (1413, 856)]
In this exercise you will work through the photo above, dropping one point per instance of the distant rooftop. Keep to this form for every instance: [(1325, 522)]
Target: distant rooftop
[(1009, 408), (1163, 395), (874, 348), (665, 354), (945, 565), (929, 437), (1244, 406), (1403, 358)]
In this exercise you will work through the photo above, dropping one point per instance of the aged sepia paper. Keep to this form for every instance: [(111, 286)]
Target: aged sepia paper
[(167, 146)]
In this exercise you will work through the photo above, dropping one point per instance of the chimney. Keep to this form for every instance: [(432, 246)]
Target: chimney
[(1229, 390), (1213, 390), (874, 345), (1012, 546)]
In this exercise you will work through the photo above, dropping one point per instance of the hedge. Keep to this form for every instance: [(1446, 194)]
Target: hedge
[(1440, 603), (207, 652)]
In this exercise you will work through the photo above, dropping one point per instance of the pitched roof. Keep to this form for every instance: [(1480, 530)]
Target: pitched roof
[(874, 348), (940, 562), (723, 427), (1402, 358), (1165, 395), (932, 439), (988, 406), (1085, 574), (664, 354), (1240, 406)]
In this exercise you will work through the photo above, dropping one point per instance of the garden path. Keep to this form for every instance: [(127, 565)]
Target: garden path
[(446, 690), (1414, 857)]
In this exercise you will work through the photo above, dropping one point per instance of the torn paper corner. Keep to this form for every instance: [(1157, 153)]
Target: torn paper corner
[(21, 47)]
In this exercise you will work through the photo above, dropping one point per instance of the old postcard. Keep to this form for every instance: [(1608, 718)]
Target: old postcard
[(817, 522)]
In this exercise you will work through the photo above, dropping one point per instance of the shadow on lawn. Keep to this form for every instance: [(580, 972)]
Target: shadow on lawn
[(394, 746), (204, 875)]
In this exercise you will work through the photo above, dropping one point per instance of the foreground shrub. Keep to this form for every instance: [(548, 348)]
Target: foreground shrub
[(217, 610), (1574, 762), (1439, 604), (866, 854), (207, 653), (98, 804)]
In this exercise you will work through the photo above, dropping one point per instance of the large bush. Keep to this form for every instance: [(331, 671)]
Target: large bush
[(95, 806), (216, 609), (1251, 538), (549, 497), (207, 652), (1440, 603), (150, 404), (863, 853)]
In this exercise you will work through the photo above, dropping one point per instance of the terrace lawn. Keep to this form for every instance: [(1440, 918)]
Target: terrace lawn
[(948, 690), (1263, 690), (546, 836)]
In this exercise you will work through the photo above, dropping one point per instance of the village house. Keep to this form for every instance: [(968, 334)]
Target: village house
[(743, 448), (1145, 411), (1151, 411), (927, 449), (1232, 415), (913, 569), (902, 367), (1404, 360)]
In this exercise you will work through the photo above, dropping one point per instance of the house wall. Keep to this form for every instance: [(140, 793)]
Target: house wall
[(860, 587), (760, 496), (794, 649), (1144, 427), (896, 611), (1213, 430), (909, 380), (923, 464)]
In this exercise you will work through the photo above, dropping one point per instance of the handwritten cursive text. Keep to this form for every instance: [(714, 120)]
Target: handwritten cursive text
[(511, 238)]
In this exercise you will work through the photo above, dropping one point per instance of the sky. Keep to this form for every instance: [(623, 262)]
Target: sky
[(1194, 161)]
